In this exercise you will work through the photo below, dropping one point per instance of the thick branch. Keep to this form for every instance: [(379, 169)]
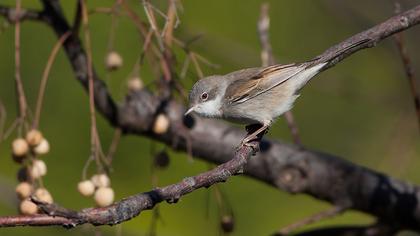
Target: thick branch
[(285, 166), (370, 230)]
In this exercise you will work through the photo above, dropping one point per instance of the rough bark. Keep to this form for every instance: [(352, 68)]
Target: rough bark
[(284, 166)]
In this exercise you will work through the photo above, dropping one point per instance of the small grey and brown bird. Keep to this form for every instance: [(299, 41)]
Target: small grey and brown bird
[(254, 95)]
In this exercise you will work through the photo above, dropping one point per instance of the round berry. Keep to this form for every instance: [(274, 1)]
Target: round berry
[(104, 196), (38, 169), (27, 207), (86, 188), (20, 147), (42, 148), (42, 194), (101, 180), (135, 84), (113, 61), (24, 190), (34, 137), (161, 124)]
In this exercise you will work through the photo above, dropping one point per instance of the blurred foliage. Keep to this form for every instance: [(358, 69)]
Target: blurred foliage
[(361, 109)]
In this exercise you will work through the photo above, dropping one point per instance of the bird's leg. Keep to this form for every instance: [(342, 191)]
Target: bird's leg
[(255, 134)]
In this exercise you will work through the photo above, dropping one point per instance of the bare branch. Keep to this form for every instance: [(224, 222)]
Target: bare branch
[(408, 69), (44, 80), (311, 219), (13, 16), (284, 166), (372, 36), (369, 230), (133, 205)]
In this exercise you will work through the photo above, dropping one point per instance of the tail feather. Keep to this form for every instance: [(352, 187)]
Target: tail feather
[(332, 53)]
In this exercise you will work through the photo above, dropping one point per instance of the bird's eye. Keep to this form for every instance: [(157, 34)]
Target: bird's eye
[(204, 96)]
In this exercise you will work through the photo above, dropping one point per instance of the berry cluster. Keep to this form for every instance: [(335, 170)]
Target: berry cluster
[(26, 151), (99, 186)]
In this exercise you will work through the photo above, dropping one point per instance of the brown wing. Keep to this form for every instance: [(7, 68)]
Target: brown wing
[(250, 83)]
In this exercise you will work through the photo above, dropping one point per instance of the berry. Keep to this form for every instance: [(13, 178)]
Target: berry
[(104, 196), (86, 188), (113, 61), (161, 124), (20, 147), (34, 137)]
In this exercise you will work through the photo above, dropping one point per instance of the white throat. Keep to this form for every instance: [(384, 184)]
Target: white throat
[(212, 108)]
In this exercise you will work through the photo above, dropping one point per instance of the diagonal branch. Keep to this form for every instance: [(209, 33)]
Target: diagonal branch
[(132, 206), (408, 69), (368, 230), (281, 165)]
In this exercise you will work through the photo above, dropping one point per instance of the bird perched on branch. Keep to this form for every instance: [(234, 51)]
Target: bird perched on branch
[(255, 95)]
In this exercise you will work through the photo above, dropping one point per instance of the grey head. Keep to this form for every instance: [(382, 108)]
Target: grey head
[(206, 96)]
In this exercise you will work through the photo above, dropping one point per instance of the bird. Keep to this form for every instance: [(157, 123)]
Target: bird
[(255, 95)]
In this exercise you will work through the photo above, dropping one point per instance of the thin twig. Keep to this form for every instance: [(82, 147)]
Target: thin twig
[(312, 219), (146, 44), (186, 47), (263, 27), (113, 146), (3, 117), (168, 28), (44, 79), (185, 66), (164, 64), (196, 65), (206, 61), (152, 20), (114, 23), (95, 145), (267, 59), (19, 86), (409, 71), (10, 130)]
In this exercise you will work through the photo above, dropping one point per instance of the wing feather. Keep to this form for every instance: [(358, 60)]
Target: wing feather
[(263, 80)]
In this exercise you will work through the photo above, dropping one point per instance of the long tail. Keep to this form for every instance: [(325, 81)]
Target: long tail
[(320, 63), (333, 53)]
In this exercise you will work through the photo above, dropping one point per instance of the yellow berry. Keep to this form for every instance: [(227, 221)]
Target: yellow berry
[(42, 148), (24, 190), (113, 61), (135, 84), (20, 147), (86, 188), (38, 169), (101, 180), (34, 137), (161, 124), (27, 207), (42, 194), (104, 196)]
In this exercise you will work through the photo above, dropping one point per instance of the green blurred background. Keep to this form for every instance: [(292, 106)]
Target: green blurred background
[(361, 109)]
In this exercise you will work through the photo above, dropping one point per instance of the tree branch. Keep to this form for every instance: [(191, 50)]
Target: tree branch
[(369, 230), (132, 206), (284, 166), (11, 15)]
